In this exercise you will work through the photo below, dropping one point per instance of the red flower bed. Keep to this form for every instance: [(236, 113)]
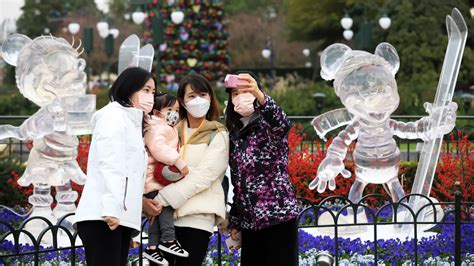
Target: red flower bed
[(455, 164)]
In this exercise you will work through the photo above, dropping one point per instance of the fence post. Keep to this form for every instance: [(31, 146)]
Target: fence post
[(457, 224), (219, 252)]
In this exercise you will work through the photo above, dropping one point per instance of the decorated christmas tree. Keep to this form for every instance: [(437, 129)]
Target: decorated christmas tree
[(189, 36)]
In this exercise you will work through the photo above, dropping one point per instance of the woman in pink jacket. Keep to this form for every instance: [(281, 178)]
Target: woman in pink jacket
[(164, 166)]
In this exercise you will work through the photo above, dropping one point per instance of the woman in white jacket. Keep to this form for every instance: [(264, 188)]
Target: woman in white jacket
[(109, 211), (198, 199)]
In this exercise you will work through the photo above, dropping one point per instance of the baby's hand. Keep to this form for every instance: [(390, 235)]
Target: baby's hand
[(185, 171)]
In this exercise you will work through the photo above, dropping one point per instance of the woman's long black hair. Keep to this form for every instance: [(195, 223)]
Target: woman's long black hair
[(128, 82), (232, 118)]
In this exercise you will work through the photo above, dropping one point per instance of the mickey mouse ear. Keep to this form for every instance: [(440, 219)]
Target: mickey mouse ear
[(128, 54), (145, 58), (332, 58), (388, 52), (12, 46)]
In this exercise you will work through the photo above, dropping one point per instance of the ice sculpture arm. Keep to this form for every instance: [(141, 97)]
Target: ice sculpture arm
[(46, 120), (333, 164), (422, 129), (331, 120)]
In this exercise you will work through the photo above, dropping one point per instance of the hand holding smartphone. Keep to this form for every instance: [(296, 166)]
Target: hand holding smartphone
[(230, 81)]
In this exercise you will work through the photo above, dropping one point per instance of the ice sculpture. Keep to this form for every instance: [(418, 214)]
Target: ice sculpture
[(366, 85), (50, 73)]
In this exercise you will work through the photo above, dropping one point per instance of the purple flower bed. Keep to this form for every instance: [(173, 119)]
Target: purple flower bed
[(389, 251)]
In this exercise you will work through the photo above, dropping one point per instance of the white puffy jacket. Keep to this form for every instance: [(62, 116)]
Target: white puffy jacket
[(116, 167)]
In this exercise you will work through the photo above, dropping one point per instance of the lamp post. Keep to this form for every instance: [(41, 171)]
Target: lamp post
[(138, 16), (363, 38), (73, 28), (467, 98), (319, 101), (109, 34), (308, 64), (268, 54), (109, 48), (268, 51)]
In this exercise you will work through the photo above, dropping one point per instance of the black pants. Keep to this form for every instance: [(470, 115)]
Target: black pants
[(275, 245), (103, 246), (195, 241)]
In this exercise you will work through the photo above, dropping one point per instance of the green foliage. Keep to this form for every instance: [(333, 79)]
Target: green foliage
[(102, 99), (418, 32), (295, 96), (233, 6), (310, 21), (9, 195), (408, 170), (118, 8), (15, 103), (48, 14)]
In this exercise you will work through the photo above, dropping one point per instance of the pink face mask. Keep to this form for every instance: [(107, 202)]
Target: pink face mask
[(243, 104), (145, 101)]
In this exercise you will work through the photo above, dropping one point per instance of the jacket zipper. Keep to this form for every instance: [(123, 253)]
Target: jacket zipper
[(125, 193)]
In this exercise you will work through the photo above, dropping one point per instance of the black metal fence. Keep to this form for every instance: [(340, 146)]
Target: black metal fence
[(457, 214)]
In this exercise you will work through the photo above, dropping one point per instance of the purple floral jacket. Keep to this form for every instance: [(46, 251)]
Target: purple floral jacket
[(263, 194)]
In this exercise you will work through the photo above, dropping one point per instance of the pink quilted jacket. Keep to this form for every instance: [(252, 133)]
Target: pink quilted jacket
[(161, 143)]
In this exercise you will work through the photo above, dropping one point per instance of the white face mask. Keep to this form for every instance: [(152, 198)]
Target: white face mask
[(172, 118), (198, 107)]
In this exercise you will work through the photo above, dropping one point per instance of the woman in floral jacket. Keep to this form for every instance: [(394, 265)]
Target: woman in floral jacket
[(264, 207)]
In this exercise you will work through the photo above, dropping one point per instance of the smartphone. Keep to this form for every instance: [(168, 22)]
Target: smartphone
[(231, 243), (231, 81)]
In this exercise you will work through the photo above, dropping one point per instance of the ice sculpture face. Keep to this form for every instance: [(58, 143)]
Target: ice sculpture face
[(48, 68), (369, 92)]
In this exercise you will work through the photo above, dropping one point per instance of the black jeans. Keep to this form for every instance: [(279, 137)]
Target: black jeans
[(194, 241), (103, 246), (275, 245)]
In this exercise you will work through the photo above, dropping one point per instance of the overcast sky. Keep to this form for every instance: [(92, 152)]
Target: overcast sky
[(12, 8)]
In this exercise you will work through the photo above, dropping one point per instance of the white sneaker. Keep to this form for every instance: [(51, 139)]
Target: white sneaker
[(154, 255), (173, 248)]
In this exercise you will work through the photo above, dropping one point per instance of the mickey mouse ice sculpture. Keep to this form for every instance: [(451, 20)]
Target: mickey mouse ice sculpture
[(50, 73), (366, 85)]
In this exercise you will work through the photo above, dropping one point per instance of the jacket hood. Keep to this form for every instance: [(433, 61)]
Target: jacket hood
[(201, 135)]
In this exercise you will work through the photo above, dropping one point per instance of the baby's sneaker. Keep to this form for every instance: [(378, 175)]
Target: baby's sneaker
[(173, 247), (154, 255)]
